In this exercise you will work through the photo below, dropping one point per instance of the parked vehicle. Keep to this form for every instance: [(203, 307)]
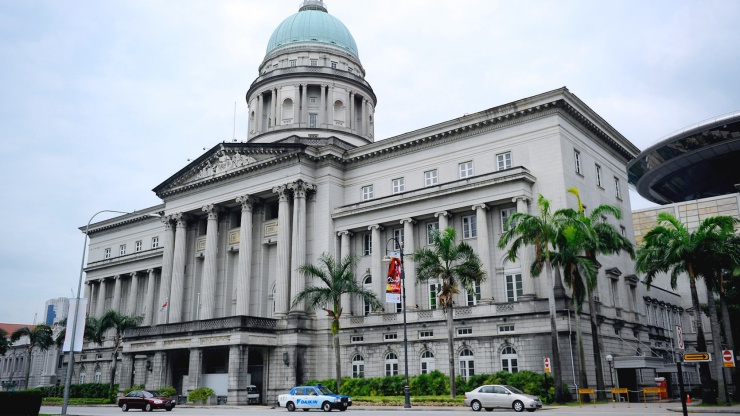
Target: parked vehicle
[(146, 400), (491, 396), (253, 395), (313, 397)]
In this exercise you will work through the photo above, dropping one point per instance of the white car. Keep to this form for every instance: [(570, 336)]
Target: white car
[(313, 397), (491, 396)]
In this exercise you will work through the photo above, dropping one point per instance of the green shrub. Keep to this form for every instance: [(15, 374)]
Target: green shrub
[(132, 388), (200, 394), (167, 391)]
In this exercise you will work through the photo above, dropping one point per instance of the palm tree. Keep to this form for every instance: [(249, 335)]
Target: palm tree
[(671, 247), (90, 331), (601, 238), (454, 265), (541, 232), (112, 320), (3, 341), (38, 336), (338, 279)]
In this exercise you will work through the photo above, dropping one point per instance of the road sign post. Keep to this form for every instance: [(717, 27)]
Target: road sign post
[(697, 357), (547, 366), (728, 358)]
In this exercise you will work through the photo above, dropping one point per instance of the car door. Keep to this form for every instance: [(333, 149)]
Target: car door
[(485, 396), (299, 397), (312, 398), (500, 397)]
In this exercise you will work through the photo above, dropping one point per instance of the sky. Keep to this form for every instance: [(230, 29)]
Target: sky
[(102, 101)]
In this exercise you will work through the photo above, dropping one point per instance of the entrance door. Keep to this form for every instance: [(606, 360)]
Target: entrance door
[(255, 367)]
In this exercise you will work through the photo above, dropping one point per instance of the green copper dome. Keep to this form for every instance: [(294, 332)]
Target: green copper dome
[(312, 24)]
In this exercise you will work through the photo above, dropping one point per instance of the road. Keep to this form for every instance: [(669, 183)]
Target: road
[(601, 409)]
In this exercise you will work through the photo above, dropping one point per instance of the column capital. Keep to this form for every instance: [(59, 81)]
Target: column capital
[(348, 233), (521, 198), (150, 271), (116, 277), (409, 220), (442, 214), (481, 206), (181, 219), (282, 191), (300, 188), (167, 221), (375, 226), (213, 211), (133, 274), (247, 201)]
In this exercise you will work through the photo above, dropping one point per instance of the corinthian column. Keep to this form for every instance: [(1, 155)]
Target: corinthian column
[(304, 108), (178, 269), (527, 283), (298, 257), (351, 111), (363, 126), (376, 268), (330, 107), (344, 251), (409, 270), (165, 279), (149, 308), (132, 291), (443, 217), (208, 285), (259, 113), (282, 269), (100, 304), (116, 305), (484, 251), (245, 255)]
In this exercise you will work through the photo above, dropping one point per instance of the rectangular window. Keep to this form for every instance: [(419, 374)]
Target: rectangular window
[(623, 231), (398, 235), (314, 62), (431, 178), (470, 226), (312, 118), (399, 185), (155, 242), (474, 296), (390, 337), (426, 334), (466, 169), (617, 191), (107, 253), (615, 296), (577, 160), (292, 62), (122, 250), (433, 290), (357, 338), (503, 161), (431, 228), (313, 100), (367, 193), (367, 244), (505, 214), (137, 246), (333, 65), (513, 287), (465, 331), (598, 175), (505, 328)]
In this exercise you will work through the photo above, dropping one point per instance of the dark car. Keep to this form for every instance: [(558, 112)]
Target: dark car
[(146, 400)]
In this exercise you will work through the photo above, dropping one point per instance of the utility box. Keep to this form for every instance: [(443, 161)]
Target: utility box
[(663, 385)]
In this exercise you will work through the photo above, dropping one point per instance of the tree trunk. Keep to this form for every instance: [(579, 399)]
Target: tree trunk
[(451, 347), (704, 374), (728, 334), (114, 364), (601, 395), (582, 377), (337, 361), (29, 352), (556, 370), (714, 325)]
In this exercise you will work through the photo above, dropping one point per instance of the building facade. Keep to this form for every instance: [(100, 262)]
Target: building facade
[(213, 268)]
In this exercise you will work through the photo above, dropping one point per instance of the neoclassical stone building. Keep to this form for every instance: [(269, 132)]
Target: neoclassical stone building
[(213, 268)]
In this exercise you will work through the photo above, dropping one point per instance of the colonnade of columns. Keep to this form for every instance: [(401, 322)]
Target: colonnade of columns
[(96, 291)]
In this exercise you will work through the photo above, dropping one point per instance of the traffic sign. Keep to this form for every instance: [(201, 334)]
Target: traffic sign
[(697, 357), (547, 366), (728, 358), (679, 336)]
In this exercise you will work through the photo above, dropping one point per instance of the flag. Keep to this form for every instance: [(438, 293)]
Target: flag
[(79, 328), (164, 307)]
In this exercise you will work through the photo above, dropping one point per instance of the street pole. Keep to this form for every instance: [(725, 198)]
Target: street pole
[(406, 390)]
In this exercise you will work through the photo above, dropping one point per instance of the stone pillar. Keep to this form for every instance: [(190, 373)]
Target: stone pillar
[(282, 268), (351, 111), (528, 290), (296, 103), (116, 304), (484, 252), (409, 268), (160, 373), (344, 251), (100, 304), (298, 255), (208, 281), (304, 107), (132, 292), (244, 275), (149, 308), (273, 98), (127, 371), (195, 369), (259, 113), (376, 267), (237, 384), (322, 107), (443, 218), (174, 312), (363, 125), (165, 279), (330, 121), (87, 294)]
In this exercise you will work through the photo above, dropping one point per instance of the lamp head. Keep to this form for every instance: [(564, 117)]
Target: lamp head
[(609, 358)]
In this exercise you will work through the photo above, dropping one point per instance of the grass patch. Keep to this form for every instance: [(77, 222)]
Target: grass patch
[(57, 401), (399, 400)]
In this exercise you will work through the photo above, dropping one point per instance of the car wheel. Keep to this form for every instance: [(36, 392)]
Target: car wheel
[(326, 407), (342, 409), (518, 406), (169, 409), (124, 407), (489, 409), (148, 407), (475, 405), (291, 407), (531, 410), (306, 410)]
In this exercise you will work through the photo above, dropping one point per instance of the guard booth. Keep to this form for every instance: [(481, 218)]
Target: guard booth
[(635, 373)]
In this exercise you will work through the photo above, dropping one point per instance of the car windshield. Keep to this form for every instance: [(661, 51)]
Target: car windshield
[(150, 393), (324, 390), (514, 390), (252, 389)]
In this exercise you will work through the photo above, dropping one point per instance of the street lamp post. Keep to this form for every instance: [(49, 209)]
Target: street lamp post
[(406, 390), (73, 334), (610, 360)]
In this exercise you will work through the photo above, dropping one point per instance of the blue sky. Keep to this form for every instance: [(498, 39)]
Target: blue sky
[(102, 101)]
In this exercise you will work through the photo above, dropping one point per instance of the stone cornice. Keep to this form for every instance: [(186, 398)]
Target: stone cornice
[(145, 215)]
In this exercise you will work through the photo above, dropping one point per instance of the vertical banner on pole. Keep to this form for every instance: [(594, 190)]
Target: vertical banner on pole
[(79, 329), (679, 338), (393, 285)]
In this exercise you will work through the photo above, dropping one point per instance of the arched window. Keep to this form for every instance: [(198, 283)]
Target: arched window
[(287, 110), (98, 375), (509, 360), (339, 112), (427, 362), (467, 363), (367, 283), (391, 364), (358, 366), (83, 375)]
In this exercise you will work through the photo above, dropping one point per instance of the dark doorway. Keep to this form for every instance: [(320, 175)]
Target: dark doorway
[(180, 367), (256, 368), (628, 379)]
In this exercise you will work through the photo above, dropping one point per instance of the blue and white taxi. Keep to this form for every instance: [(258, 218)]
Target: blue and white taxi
[(313, 397)]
